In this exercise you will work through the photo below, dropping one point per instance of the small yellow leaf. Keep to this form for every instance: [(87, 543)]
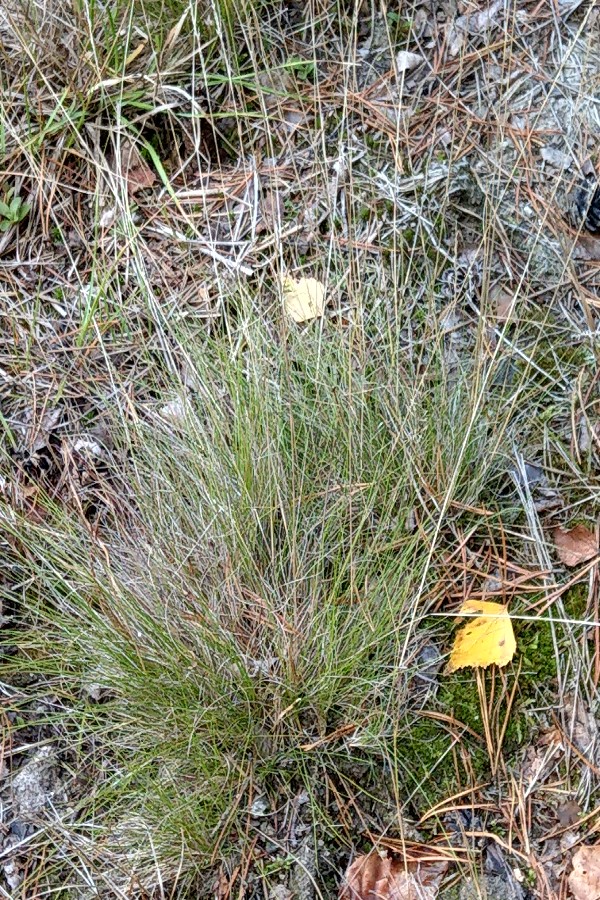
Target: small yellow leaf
[(304, 299), (487, 638)]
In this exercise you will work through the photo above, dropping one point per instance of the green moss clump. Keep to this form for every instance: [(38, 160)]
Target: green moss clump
[(428, 748), (400, 27), (459, 698), (431, 768), (537, 680), (542, 339), (575, 601), (535, 642), (555, 358)]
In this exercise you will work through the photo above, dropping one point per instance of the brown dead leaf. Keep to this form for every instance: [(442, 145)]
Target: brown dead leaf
[(373, 877), (293, 118), (584, 880), (541, 760), (502, 300), (135, 169), (276, 85), (273, 210), (576, 545), (568, 813), (583, 727), (587, 247)]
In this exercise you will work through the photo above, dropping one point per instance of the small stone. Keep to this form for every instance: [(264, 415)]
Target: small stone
[(280, 892), (259, 808), (36, 784), (568, 840), (302, 875), (174, 411), (556, 158), (405, 60)]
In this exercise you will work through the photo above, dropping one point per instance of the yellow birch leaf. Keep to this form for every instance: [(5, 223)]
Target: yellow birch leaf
[(487, 638), (304, 299)]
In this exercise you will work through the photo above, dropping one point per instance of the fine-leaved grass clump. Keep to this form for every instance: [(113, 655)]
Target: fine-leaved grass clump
[(264, 584)]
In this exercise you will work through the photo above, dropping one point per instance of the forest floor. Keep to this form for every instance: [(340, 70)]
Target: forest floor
[(234, 544)]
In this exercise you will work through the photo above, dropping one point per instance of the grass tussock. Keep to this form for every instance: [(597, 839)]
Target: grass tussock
[(264, 585)]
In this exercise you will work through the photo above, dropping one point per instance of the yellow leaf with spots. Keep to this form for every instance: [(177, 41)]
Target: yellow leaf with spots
[(304, 299), (486, 639)]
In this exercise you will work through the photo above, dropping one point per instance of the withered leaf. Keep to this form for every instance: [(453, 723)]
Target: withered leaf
[(568, 813), (135, 169), (576, 545), (304, 298), (502, 301), (587, 247), (584, 880), (373, 877)]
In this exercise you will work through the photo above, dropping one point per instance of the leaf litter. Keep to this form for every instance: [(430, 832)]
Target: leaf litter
[(575, 546), (584, 880), (405, 60), (375, 877), (136, 171)]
